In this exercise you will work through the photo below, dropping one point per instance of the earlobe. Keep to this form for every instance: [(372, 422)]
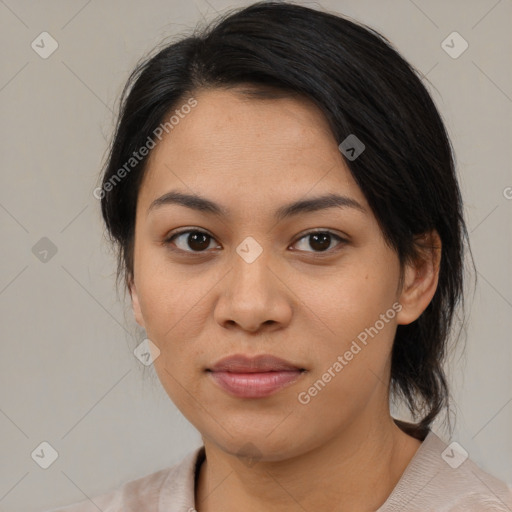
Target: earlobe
[(420, 279), (136, 305)]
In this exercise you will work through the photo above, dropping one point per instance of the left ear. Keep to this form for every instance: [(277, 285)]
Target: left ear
[(421, 276)]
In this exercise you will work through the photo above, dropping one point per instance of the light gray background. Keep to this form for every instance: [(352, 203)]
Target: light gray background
[(68, 375)]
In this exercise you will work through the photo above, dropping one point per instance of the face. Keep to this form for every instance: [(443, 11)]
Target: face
[(238, 271)]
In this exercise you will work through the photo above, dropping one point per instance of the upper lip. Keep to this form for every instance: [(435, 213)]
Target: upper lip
[(240, 363)]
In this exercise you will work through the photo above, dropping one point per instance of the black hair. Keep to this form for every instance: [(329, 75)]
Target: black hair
[(363, 87)]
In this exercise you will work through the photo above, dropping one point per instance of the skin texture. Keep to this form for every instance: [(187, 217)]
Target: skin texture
[(252, 156)]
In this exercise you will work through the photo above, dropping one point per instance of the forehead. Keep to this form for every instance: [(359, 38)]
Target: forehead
[(229, 143)]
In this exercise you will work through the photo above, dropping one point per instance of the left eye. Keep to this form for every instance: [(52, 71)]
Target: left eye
[(320, 241)]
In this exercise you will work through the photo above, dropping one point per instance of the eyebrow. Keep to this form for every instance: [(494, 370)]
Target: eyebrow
[(201, 204)]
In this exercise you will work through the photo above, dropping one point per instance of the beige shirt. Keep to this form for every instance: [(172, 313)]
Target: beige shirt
[(438, 478)]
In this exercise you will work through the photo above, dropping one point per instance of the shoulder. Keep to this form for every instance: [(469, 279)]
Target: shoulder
[(443, 478), (473, 489), (141, 491), (145, 493)]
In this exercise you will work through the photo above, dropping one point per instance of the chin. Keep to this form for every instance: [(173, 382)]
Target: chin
[(253, 447)]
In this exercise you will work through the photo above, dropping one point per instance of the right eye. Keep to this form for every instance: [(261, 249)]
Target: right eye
[(197, 241)]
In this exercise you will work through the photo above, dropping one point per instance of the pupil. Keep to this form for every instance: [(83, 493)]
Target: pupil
[(321, 240), (198, 241)]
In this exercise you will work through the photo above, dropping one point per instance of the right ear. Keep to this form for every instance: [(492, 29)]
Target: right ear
[(135, 304)]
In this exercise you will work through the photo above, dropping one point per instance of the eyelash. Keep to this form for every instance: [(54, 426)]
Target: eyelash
[(168, 241)]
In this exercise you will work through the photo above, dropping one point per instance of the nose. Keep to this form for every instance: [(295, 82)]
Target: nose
[(253, 297)]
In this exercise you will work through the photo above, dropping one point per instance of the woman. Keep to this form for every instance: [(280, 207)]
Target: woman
[(282, 192)]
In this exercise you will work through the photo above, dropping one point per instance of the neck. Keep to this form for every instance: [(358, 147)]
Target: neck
[(357, 469)]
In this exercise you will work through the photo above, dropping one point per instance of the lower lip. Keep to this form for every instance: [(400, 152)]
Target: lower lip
[(254, 385)]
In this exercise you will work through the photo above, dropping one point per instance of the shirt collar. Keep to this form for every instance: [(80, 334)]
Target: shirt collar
[(178, 489)]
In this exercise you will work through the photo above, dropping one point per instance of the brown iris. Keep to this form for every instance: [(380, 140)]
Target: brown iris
[(320, 241)]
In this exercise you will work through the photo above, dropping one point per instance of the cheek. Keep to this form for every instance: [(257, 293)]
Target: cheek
[(175, 306), (351, 316), (349, 300), (174, 320), (349, 369), (166, 296)]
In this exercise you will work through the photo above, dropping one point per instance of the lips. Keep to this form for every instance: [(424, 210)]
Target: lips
[(254, 377), (245, 364)]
